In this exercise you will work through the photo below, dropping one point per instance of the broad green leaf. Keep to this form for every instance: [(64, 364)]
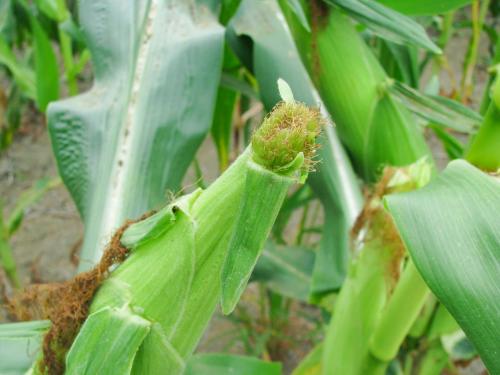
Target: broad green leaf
[(452, 232), (20, 345), (387, 23), (285, 270), (107, 342), (437, 109), (273, 56), (46, 66), (424, 7), (121, 145), (226, 364)]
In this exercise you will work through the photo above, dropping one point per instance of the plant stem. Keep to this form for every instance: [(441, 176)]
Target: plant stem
[(69, 64), (6, 258), (400, 313), (478, 14)]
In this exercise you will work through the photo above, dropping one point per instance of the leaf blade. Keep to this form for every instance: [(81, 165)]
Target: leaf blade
[(452, 232), (387, 23)]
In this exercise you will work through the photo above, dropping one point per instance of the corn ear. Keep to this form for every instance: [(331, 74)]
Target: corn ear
[(376, 130), (284, 148), (172, 278), (123, 334)]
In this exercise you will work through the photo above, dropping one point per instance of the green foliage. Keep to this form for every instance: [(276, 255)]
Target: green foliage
[(152, 74), (387, 23), (11, 223), (202, 247), (165, 74), (424, 7), (463, 203), (375, 129)]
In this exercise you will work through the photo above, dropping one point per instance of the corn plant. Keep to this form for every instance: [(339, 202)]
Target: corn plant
[(9, 224), (399, 276), (34, 74)]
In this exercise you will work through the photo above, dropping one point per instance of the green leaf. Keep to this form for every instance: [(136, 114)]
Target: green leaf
[(296, 6), (226, 364), (107, 342), (28, 198), (437, 109), (123, 144), (453, 147), (50, 8), (46, 67), (19, 345), (452, 231), (238, 85), (387, 23), (258, 211), (23, 75), (400, 62), (222, 124), (424, 7), (7, 20), (285, 270)]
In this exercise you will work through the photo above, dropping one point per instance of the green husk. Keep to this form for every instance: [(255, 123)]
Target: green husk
[(376, 129), (172, 278), (379, 301), (123, 335)]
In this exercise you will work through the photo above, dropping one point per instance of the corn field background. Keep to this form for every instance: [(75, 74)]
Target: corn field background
[(131, 129)]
